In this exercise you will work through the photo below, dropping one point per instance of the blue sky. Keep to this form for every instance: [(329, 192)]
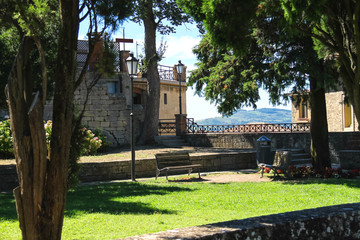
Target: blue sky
[(179, 47)]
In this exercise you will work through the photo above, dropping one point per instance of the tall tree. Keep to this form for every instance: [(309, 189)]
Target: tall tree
[(335, 26), (40, 197), (274, 57), (154, 14)]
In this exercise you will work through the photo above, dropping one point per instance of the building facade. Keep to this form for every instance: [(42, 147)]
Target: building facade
[(108, 105), (340, 114)]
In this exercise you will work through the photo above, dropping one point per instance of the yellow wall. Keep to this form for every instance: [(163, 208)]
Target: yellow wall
[(335, 111), (296, 109), (171, 89)]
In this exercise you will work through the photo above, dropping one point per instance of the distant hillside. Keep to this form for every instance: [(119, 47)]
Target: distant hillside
[(263, 115)]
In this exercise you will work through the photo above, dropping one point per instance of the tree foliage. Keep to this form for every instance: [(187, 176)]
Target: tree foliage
[(275, 57), (335, 26)]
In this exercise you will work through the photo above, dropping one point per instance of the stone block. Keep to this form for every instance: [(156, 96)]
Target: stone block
[(350, 159), (99, 118), (104, 124)]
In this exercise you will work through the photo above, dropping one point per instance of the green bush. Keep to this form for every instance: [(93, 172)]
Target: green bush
[(105, 144), (6, 142), (91, 144)]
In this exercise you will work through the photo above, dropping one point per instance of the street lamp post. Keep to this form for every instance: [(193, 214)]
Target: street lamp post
[(132, 65), (179, 69)]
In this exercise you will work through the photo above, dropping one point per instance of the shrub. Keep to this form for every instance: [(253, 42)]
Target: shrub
[(92, 142), (105, 144), (6, 142)]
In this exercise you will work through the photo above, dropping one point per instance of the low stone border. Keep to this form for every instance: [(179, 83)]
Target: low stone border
[(119, 170), (334, 222)]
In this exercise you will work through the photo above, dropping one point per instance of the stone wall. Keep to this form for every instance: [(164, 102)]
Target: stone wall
[(8, 177), (334, 222), (116, 170), (4, 113), (338, 141), (248, 141), (147, 167), (108, 107)]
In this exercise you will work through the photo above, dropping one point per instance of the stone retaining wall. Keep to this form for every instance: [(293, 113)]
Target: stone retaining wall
[(334, 222), (105, 171), (338, 141), (8, 177)]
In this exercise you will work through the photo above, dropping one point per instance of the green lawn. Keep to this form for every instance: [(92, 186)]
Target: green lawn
[(123, 209)]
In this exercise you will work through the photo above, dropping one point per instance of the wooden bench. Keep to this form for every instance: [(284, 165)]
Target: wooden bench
[(176, 161)]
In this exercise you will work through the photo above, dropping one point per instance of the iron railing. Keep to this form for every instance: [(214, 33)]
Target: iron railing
[(195, 128), (166, 72), (167, 126)]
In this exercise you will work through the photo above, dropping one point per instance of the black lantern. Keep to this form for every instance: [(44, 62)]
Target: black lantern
[(180, 67), (132, 64)]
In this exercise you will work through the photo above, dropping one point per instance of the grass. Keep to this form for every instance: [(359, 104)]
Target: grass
[(116, 210)]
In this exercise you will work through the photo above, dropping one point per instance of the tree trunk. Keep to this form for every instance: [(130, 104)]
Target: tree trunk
[(29, 141), (55, 195), (151, 123), (319, 127), (40, 198)]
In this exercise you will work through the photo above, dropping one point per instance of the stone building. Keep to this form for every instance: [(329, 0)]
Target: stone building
[(108, 105), (340, 114)]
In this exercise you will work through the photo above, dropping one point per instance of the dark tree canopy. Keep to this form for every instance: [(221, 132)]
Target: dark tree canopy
[(274, 56), (335, 27)]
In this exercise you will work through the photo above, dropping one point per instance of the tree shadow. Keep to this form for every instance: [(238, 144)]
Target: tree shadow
[(188, 180), (101, 198), (7, 207), (349, 182)]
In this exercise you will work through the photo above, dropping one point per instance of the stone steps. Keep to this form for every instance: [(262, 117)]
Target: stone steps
[(171, 141)]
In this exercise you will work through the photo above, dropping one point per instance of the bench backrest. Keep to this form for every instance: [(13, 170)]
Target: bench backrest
[(172, 159)]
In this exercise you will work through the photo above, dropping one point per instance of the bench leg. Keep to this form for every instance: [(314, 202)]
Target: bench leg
[(167, 176), (261, 172), (157, 174), (199, 173)]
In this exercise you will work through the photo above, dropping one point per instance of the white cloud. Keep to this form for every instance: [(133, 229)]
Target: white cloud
[(181, 47)]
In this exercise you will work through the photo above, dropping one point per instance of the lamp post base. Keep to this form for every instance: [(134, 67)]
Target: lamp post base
[(181, 124)]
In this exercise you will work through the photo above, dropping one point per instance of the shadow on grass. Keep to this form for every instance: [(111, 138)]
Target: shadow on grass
[(101, 198), (351, 183), (7, 207), (188, 180)]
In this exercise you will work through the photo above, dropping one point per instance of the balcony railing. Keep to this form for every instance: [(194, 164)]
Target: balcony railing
[(195, 128), (167, 127)]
